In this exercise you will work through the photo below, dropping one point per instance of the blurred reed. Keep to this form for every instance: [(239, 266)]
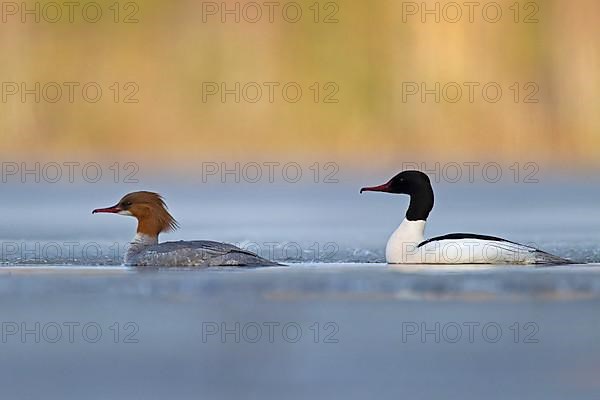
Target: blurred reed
[(369, 54)]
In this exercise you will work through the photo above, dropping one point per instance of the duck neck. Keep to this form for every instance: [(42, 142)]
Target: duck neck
[(421, 204), (412, 229), (140, 241)]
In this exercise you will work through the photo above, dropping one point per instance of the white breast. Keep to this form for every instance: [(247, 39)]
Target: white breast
[(139, 242), (403, 243)]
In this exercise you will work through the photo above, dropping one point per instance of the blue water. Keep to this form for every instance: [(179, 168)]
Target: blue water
[(294, 222), (335, 323)]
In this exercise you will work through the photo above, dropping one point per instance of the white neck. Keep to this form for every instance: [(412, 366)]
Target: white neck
[(139, 242), (404, 241)]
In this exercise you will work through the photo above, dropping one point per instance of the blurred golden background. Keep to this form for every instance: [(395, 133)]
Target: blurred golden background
[(366, 67)]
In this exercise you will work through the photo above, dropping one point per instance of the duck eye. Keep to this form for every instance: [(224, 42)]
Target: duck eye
[(127, 204)]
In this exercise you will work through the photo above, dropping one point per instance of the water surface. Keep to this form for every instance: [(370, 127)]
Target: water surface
[(332, 324)]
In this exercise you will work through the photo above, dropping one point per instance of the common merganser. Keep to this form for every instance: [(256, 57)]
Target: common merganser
[(407, 244), (153, 218)]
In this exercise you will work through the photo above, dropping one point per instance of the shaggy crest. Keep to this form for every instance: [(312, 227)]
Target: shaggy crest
[(150, 205), (150, 210)]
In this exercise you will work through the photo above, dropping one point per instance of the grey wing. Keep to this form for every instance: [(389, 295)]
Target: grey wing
[(531, 255), (198, 253), (214, 247), (541, 257)]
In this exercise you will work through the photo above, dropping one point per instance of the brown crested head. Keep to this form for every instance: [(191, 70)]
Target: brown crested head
[(150, 210)]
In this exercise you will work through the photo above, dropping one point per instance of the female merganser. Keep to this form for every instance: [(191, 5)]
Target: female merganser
[(408, 246), (153, 218)]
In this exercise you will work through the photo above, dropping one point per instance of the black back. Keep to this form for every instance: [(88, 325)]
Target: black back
[(454, 236)]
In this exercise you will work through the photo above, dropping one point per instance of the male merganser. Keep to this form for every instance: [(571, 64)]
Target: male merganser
[(153, 218), (407, 244)]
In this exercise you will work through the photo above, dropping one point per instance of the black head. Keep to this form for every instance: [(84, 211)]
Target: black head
[(415, 184)]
